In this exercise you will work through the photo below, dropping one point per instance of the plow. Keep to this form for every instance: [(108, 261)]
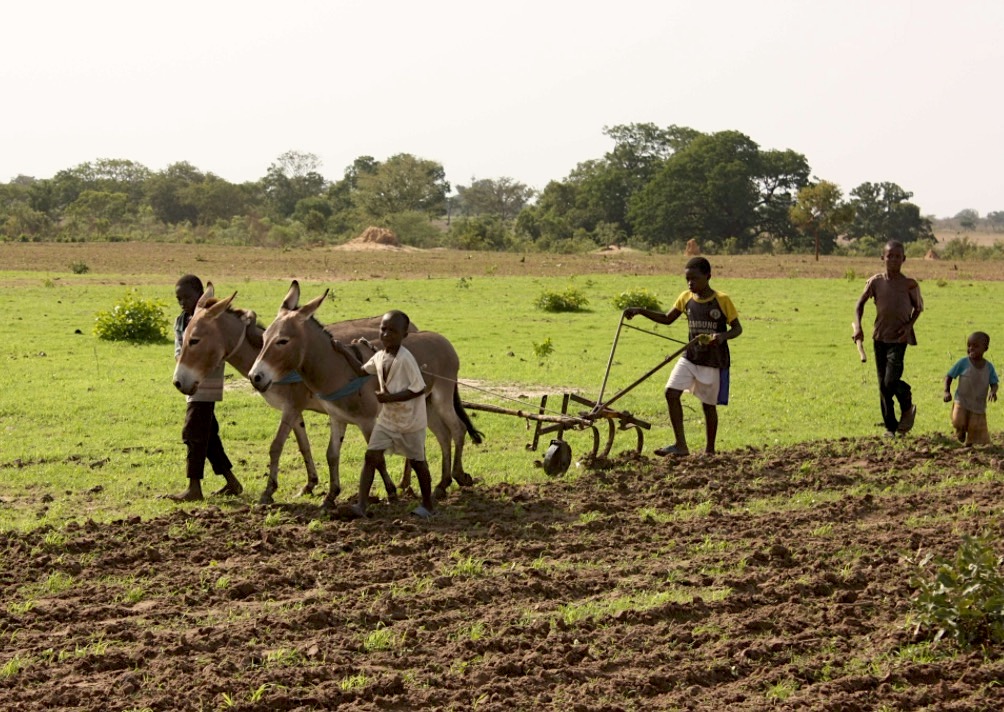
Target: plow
[(597, 415)]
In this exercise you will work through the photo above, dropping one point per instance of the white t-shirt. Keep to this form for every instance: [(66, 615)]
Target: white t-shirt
[(397, 373)]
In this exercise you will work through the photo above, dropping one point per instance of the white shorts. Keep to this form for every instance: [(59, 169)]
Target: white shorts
[(410, 445), (703, 381)]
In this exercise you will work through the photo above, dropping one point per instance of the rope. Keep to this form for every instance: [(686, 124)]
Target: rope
[(530, 405), (494, 394)]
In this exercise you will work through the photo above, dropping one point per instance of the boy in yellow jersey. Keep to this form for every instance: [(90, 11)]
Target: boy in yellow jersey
[(704, 368)]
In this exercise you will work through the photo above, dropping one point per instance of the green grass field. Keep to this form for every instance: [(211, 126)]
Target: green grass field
[(91, 429)]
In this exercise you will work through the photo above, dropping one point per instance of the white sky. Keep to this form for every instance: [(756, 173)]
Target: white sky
[(867, 90)]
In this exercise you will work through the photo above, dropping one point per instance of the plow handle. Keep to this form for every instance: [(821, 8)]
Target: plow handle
[(600, 405)]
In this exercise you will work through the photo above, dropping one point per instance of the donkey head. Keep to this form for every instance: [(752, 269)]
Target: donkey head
[(205, 344), (284, 344)]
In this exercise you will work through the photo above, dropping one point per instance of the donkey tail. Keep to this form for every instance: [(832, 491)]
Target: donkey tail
[(476, 435)]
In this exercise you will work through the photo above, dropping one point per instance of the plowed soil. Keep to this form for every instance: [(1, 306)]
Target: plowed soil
[(750, 580)]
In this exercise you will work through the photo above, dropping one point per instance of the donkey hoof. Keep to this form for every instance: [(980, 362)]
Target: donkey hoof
[(306, 491), (463, 479), (265, 500), (440, 492)]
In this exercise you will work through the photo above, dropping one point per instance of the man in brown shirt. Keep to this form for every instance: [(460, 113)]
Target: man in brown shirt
[(898, 305)]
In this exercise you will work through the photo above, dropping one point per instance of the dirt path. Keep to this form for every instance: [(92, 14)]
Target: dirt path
[(749, 581)]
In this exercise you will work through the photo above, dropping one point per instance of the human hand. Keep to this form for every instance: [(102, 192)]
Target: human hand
[(631, 312), (383, 397), (992, 396), (948, 396)]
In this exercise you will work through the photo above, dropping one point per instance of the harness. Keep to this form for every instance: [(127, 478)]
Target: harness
[(349, 389), (240, 341)]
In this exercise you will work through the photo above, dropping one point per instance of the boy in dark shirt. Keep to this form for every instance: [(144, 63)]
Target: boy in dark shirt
[(898, 305), (704, 368), (201, 432)]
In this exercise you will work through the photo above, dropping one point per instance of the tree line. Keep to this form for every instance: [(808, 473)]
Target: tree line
[(656, 189)]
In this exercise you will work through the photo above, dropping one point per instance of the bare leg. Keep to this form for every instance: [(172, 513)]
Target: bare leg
[(711, 427), (233, 487), (421, 468), (676, 418), (374, 461), (192, 494)]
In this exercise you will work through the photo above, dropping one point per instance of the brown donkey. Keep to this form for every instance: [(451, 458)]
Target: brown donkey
[(296, 341), (220, 332)]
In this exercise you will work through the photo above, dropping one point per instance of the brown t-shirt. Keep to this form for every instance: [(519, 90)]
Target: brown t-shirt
[(896, 298)]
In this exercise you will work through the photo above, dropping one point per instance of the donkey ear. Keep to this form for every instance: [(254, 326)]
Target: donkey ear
[(206, 296), (292, 300), (220, 307), (308, 309)]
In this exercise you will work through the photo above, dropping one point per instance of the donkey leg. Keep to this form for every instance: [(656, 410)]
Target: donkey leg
[(442, 432), (405, 484), (274, 451), (388, 483), (334, 455), (300, 431)]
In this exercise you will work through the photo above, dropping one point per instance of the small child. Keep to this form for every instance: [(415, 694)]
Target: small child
[(977, 377), (401, 424)]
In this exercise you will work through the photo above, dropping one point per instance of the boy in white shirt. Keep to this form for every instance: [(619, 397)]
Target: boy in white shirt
[(401, 424)]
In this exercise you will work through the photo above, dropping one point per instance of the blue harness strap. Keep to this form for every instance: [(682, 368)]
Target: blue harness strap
[(350, 388), (291, 377)]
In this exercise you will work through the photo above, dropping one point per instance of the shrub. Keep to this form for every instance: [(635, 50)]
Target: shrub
[(965, 599), (79, 268), (133, 319), (570, 300), (636, 298), (544, 349)]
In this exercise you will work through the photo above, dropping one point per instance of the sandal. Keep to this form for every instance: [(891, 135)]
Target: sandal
[(672, 451)]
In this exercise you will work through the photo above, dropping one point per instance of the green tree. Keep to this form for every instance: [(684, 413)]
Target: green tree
[(883, 211), (968, 219), (779, 176), (402, 183), (707, 190), (292, 177), (165, 193), (820, 215), (996, 219), (499, 197), (216, 199)]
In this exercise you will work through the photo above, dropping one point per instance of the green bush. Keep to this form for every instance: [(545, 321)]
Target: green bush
[(133, 319), (636, 298), (79, 268), (570, 300), (965, 599)]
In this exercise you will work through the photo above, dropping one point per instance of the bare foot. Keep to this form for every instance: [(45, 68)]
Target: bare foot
[(189, 495), (230, 489)]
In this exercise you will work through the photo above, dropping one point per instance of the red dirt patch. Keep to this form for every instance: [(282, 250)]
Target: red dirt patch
[(749, 580)]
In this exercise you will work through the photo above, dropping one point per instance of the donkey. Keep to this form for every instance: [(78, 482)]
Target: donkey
[(220, 332), (296, 341)]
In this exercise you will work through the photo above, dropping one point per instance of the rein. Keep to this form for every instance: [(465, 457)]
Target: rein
[(240, 342), (354, 385), (351, 388)]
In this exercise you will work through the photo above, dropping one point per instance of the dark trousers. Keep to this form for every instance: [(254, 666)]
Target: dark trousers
[(201, 435), (889, 365)]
